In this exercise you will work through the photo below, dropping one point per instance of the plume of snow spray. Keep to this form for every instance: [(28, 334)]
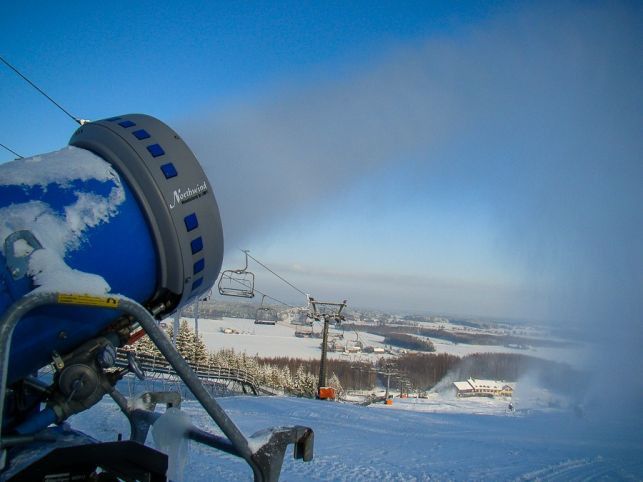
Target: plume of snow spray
[(538, 111)]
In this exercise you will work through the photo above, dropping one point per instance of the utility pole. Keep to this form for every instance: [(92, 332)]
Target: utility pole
[(196, 318), (326, 312), (175, 331), (197, 311)]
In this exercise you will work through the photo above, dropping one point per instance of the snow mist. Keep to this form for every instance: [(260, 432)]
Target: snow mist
[(537, 110)]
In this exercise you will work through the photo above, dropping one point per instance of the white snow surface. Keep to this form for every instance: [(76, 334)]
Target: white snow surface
[(569, 354), (441, 437), (51, 273), (60, 233), (280, 340), (415, 440), (263, 340), (58, 167)]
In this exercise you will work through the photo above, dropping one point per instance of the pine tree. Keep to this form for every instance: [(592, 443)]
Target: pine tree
[(287, 379), (200, 352), (214, 359), (310, 385), (298, 382), (145, 346), (184, 341), (336, 384), (304, 383), (273, 378), (252, 368)]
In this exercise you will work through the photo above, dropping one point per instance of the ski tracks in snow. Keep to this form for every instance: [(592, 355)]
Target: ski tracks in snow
[(584, 470)]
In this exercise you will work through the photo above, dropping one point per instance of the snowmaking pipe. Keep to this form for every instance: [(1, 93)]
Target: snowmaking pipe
[(33, 301)]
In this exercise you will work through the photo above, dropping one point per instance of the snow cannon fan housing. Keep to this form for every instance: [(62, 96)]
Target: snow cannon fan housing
[(125, 206)]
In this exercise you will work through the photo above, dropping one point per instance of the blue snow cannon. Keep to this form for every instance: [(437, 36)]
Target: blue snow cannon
[(98, 242), (125, 208)]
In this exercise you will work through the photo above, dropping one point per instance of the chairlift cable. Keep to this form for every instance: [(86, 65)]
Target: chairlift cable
[(12, 151), (274, 299), (263, 294), (75, 119), (278, 276)]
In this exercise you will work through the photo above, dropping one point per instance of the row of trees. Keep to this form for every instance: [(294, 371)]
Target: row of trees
[(410, 342), (421, 371), (457, 336), (350, 375), (424, 371)]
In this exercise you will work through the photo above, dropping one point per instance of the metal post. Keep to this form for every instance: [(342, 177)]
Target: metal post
[(322, 365), (175, 330), (196, 318), (388, 383), (8, 323)]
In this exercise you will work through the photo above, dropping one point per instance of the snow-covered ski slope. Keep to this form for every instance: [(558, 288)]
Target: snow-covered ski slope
[(354, 443)]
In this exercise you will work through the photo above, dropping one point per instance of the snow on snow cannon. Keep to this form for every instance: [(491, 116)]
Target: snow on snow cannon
[(104, 237)]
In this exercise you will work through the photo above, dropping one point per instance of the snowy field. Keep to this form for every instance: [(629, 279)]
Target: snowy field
[(262, 340), (572, 354), (415, 440), (277, 340), (280, 340)]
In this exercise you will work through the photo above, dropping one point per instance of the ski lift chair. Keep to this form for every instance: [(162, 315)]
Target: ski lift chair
[(237, 282), (302, 317), (265, 315)]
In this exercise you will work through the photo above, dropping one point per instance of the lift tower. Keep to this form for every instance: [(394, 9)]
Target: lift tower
[(328, 313)]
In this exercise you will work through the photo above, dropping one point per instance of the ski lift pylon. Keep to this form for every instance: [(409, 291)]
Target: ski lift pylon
[(237, 282), (265, 315)]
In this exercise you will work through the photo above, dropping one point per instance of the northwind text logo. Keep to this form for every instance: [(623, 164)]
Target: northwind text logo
[(188, 195)]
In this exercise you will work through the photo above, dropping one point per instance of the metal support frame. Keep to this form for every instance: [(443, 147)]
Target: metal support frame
[(388, 371), (334, 315), (265, 460), (157, 369), (322, 365)]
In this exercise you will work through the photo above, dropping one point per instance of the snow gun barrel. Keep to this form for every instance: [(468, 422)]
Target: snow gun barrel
[(125, 208)]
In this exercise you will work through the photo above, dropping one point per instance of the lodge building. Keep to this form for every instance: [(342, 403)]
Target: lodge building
[(482, 388)]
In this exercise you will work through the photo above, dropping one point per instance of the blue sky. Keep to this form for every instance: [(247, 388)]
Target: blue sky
[(126, 56), (461, 157)]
